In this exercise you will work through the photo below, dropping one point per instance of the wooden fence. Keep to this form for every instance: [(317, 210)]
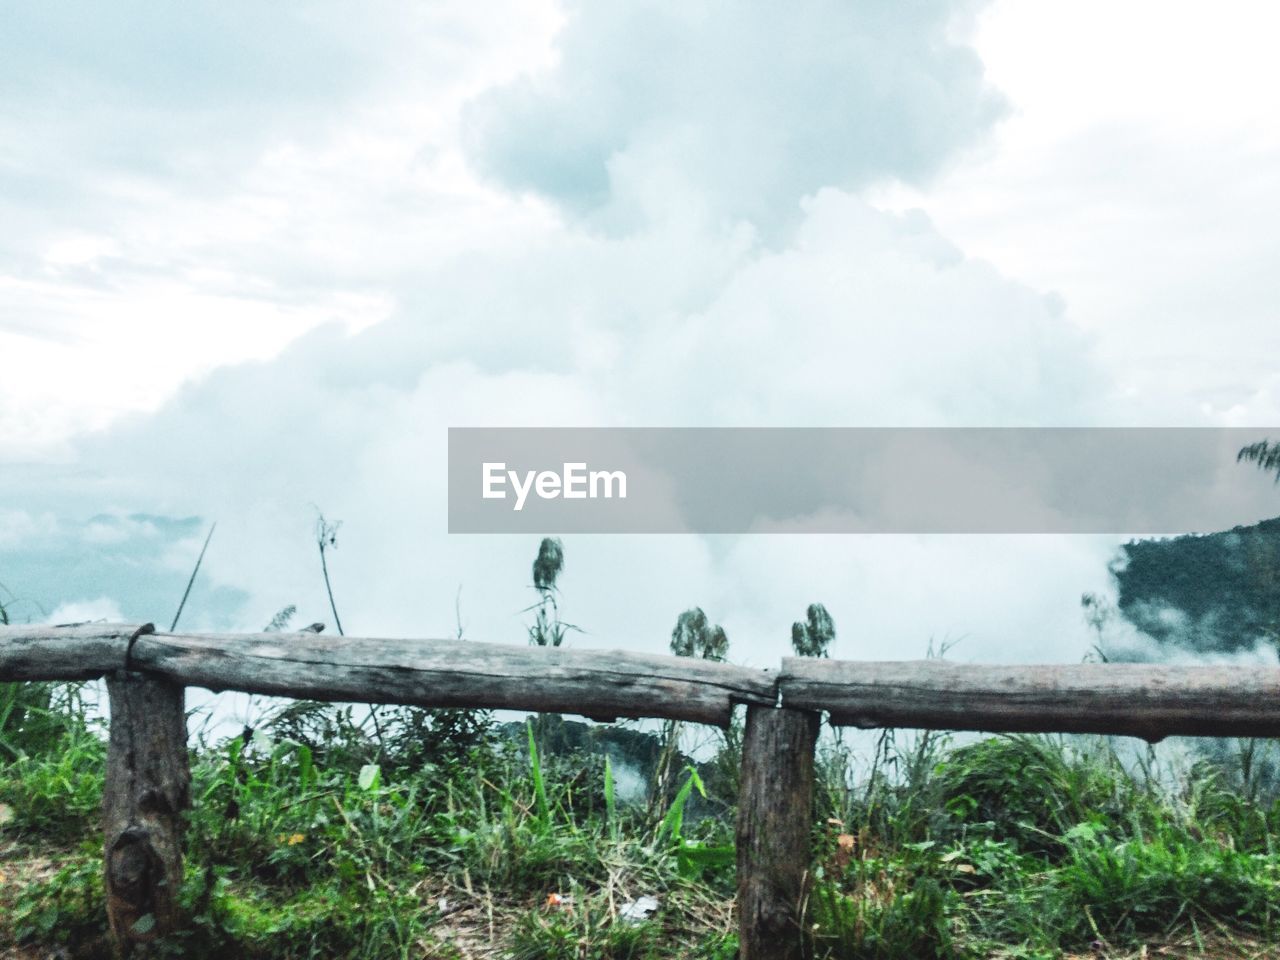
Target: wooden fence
[(147, 783)]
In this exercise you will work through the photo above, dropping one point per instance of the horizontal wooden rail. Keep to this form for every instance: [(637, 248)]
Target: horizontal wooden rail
[(82, 651), (600, 684), (1151, 701), (1131, 699)]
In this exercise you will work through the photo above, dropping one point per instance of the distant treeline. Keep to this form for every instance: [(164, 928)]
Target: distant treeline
[(1213, 593)]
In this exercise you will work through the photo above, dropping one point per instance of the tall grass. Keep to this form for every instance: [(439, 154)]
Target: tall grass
[(1009, 846)]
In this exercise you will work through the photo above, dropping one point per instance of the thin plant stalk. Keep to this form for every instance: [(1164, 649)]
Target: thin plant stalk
[(327, 536), (324, 568), (190, 583)]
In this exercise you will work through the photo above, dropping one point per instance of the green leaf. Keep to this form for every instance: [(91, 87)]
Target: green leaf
[(144, 924), (306, 767), (672, 825), (1083, 832), (370, 777), (694, 859), (539, 787), (610, 806), (710, 856)]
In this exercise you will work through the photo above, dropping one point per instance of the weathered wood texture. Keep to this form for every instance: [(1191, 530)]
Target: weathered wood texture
[(1140, 700), (774, 820), (601, 684), (148, 785), (82, 651)]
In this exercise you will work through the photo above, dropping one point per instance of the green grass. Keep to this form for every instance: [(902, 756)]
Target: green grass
[(309, 839)]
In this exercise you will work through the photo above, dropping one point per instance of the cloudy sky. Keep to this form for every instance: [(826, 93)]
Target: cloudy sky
[(256, 258)]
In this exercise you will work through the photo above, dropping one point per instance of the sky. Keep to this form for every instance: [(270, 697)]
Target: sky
[(256, 259)]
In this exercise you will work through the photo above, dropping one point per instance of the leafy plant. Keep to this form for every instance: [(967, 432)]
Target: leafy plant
[(281, 620), (581, 927), (539, 787), (548, 629), (693, 636), (813, 637), (1264, 454)]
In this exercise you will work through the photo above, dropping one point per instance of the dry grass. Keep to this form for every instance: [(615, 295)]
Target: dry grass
[(19, 868), (1222, 945)]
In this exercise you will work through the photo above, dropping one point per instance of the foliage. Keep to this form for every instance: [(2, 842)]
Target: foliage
[(695, 636), (1207, 593), (548, 564), (548, 629), (1263, 454), (326, 534), (1023, 789), (411, 736), (281, 620), (1204, 592), (813, 637), (1009, 846), (53, 759), (583, 930)]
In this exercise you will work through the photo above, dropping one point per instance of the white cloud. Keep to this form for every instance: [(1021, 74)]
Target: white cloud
[(383, 293), (700, 327), (185, 191), (82, 611), (750, 109), (1139, 175), (19, 526)]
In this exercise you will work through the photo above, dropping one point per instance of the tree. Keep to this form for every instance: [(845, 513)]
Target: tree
[(695, 636), (548, 629), (1264, 454), (813, 637)]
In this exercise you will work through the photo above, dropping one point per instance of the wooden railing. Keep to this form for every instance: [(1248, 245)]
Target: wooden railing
[(147, 783)]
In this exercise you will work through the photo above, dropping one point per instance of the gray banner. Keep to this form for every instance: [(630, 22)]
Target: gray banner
[(855, 480)]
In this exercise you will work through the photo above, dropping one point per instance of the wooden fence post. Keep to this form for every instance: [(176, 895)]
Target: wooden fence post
[(148, 785), (774, 810)]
